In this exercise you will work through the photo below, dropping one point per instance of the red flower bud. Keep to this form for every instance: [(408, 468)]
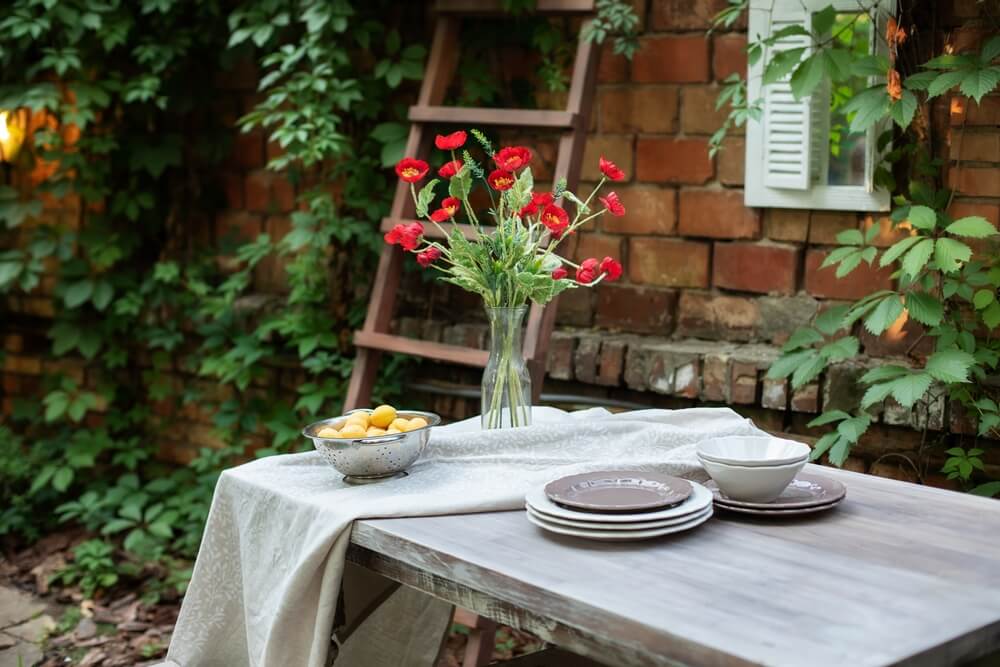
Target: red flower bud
[(501, 180), (555, 219), (559, 273), (411, 170), (612, 268), (611, 170), (613, 204), (449, 142), (449, 169), (427, 257), (587, 273), (410, 235), (512, 158)]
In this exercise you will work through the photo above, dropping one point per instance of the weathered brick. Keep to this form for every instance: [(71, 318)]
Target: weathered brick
[(611, 362), (781, 316), (668, 262), (841, 389), (232, 187), (774, 394), (698, 112), (13, 343), (671, 59), (559, 363), (715, 376), (976, 146), (969, 113), (645, 109), (975, 181), (586, 357), (597, 245), (612, 67), (806, 399), (900, 339), (635, 309), (743, 383), (786, 224), (575, 307), (825, 225), (961, 209), (615, 147), (685, 14), (755, 267), (248, 150), (14, 363), (703, 315), (730, 161), (672, 160), (859, 282), (926, 414), (648, 210), (729, 56), (466, 335), (241, 225), (716, 214), (268, 192)]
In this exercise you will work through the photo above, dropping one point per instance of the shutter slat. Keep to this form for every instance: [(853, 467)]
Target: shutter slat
[(786, 120)]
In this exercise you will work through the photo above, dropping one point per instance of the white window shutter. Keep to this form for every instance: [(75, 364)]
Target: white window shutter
[(787, 141)]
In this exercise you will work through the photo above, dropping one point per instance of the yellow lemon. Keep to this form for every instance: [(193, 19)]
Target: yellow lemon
[(360, 418), (328, 432), (417, 422), (374, 431), (352, 430), (400, 424), (383, 415)]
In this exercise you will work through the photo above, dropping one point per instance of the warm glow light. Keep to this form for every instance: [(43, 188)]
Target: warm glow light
[(11, 135), (895, 333)]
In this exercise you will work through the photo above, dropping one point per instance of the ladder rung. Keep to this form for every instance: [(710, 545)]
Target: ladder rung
[(432, 232), (455, 354), (497, 6), (486, 116)]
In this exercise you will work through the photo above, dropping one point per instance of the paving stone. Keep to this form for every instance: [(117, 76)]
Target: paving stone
[(24, 654), (6, 641), (34, 630), (17, 607)]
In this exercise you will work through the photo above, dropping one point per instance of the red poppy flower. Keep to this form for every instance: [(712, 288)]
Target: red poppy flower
[(527, 209), (611, 170), (394, 235), (555, 219), (559, 273), (428, 257), (410, 235), (512, 158), (411, 170), (587, 273), (501, 180), (449, 169), (448, 209), (612, 268), (613, 204), (542, 198), (449, 142)]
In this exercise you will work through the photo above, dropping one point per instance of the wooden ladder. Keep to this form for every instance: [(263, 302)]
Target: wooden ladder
[(375, 337)]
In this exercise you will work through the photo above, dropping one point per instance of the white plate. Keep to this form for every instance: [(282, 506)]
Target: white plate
[(753, 450), (619, 535), (699, 499), (776, 512), (597, 525)]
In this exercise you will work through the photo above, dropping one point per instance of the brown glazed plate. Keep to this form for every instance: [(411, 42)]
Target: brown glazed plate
[(792, 512), (618, 491), (806, 490)]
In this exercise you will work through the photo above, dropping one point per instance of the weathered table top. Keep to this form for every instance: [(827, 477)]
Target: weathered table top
[(899, 573)]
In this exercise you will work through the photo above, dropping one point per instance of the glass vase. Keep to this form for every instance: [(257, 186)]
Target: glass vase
[(506, 394)]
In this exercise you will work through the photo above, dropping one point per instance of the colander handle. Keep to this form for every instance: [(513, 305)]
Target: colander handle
[(380, 439)]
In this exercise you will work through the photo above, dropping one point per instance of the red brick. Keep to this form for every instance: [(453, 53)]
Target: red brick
[(717, 214), (615, 147), (248, 150), (859, 282), (635, 309), (961, 209), (671, 59), (786, 224), (646, 109), (976, 146), (575, 308), (976, 181), (612, 67), (743, 383), (825, 225), (899, 340), (729, 56), (648, 210), (753, 267), (611, 362), (684, 14), (232, 186), (715, 377), (267, 191), (967, 112), (806, 399), (597, 245), (559, 364), (673, 161), (668, 263), (242, 75), (239, 223), (698, 112), (714, 317), (731, 161), (13, 343)]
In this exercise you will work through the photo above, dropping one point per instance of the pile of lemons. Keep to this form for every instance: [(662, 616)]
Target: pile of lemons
[(383, 420)]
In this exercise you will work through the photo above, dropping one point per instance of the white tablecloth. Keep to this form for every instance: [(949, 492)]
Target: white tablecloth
[(268, 576)]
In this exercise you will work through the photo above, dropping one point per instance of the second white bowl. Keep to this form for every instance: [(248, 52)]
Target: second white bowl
[(753, 450), (757, 484)]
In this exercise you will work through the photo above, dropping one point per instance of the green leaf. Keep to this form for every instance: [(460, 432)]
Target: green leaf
[(951, 254), (786, 364), (897, 249), (803, 337), (808, 371), (78, 293), (908, 390), (823, 444), (62, 479), (920, 80), (850, 237), (876, 394), (882, 373), (983, 298), (828, 417), (868, 108), (924, 308), (831, 320), (979, 82), (991, 316), (989, 489), (807, 75), (990, 50), (887, 312), (973, 226), (917, 257), (950, 365), (782, 63), (922, 217), (903, 109), (425, 197), (852, 429), (944, 82), (840, 349)]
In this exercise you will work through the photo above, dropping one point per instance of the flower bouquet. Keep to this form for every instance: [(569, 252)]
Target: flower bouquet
[(509, 264)]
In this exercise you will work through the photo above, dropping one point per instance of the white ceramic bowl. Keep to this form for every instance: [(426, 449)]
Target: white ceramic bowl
[(757, 484), (753, 450)]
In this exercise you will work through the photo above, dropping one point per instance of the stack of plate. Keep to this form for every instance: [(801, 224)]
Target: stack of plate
[(806, 494), (619, 506)]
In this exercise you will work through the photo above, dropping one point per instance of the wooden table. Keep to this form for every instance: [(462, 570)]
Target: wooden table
[(899, 573)]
